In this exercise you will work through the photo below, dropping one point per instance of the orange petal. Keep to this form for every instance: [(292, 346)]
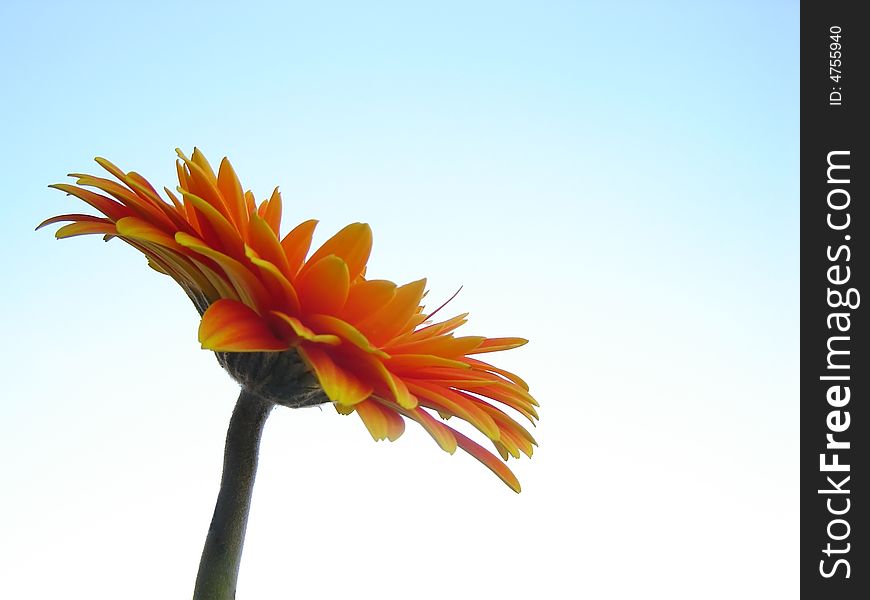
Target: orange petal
[(480, 365), (442, 434), (498, 344), (201, 182), (77, 218), (121, 193), (157, 244), (179, 207), (504, 421), (446, 346), (181, 171), (381, 421), (231, 190), (181, 268), (296, 245), (107, 206), (139, 229), (519, 404), (248, 287), (272, 214), (148, 202), (279, 286), (230, 240), (395, 422), (346, 331), (137, 194), (220, 282), (323, 288), (446, 399), (367, 297), (230, 326), (84, 228), (265, 243), (107, 165), (392, 318), (306, 333), (250, 202), (518, 442), (434, 330), (516, 390), (372, 418), (339, 385), (353, 244), (344, 410), (506, 447), (401, 395), (488, 459), (202, 162), (409, 363)]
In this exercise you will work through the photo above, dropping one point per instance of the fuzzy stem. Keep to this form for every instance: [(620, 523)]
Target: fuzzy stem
[(219, 565)]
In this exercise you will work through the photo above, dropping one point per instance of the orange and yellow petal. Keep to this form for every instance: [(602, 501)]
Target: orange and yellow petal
[(263, 240), (442, 434), (323, 288), (499, 344), (340, 385), (353, 244), (296, 245), (305, 333), (282, 291), (247, 286), (230, 326), (234, 197), (367, 297), (381, 421), (488, 460), (85, 228), (387, 322), (346, 331)]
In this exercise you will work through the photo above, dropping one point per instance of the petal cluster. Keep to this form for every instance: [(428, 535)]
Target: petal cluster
[(373, 349)]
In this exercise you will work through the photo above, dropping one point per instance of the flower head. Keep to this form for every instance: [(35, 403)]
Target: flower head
[(282, 319)]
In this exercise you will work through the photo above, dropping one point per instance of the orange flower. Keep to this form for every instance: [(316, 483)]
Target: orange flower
[(368, 342)]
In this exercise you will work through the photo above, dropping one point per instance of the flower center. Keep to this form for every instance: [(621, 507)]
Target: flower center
[(279, 377)]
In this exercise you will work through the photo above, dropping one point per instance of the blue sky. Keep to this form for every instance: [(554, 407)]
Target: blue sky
[(616, 183)]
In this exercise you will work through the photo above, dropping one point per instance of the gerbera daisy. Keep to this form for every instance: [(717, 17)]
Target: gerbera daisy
[(298, 329)]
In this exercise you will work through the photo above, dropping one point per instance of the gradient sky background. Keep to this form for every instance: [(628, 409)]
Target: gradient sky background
[(617, 183)]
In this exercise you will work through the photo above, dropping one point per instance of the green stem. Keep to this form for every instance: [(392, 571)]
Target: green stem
[(219, 565)]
